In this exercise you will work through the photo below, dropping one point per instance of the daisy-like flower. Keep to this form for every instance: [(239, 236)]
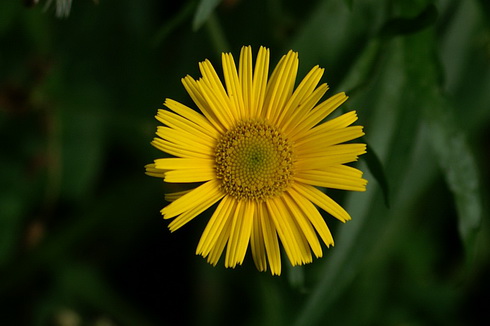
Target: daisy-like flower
[(260, 151)]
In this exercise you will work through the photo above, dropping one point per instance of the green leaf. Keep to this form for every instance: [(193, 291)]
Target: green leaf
[(349, 3), (8, 14), (10, 224), (485, 6), (170, 25), (448, 139), (402, 26), (376, 168), (459, 167), (204, 9), (330, 39), (83, 283), (81, 152), (351, 243), (296, 277)]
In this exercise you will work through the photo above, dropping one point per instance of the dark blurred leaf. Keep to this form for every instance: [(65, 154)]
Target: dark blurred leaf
[(22, 177), (296, 277), (176, 20), (364, 70), (12, 205), (485, 5), (8, 14), (376, 168), (403, 26), (349, 3), (331, 40), (447, 138), (82, 130), (85, 285), (106, 217), (351, 243), (81, 152), (204, 9), (459, 166)]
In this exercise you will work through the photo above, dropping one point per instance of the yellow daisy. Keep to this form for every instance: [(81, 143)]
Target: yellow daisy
[(260, 151)]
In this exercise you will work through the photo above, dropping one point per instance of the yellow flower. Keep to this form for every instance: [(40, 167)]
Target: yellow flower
[(260, 149)]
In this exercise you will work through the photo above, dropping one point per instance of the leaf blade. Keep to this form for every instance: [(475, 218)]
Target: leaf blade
[(204, 10)]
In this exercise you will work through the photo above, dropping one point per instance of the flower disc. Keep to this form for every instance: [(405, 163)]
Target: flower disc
[(254, 161)]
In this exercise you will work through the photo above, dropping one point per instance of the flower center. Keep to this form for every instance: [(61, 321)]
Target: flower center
[(254, 161)]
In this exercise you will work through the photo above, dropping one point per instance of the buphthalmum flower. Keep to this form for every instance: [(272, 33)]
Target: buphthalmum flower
[(260, 152)]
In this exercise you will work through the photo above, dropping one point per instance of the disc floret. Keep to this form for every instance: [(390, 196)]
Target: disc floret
[(254, 161)]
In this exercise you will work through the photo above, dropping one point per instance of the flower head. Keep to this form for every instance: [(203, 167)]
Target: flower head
[(260, 151)]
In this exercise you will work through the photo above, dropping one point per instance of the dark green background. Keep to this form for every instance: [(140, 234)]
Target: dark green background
[(81, 236)]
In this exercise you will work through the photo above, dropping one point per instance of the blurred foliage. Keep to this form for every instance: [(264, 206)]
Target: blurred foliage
[(81, 238)]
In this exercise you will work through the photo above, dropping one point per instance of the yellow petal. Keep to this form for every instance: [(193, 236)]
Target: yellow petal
[(193, 210), (259, 83), (318, 113), (186, 140), (340, 122), (302, 92), (213, 91), (219, 104), (303, 222), (207, 190), (241, 228), (221, 240), (245, 75), (151, 170), (281, 85), (293, 241), (215, 226), (257, 242), (330, 155), (233, 86), (328, 138), (189, 175), (194, 92), (178, 150), (271, 241), (334, 177), (173, 196), (183, 163), (201, 123), (290, 125), (322, 200), (181, 124), (311, 213)]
